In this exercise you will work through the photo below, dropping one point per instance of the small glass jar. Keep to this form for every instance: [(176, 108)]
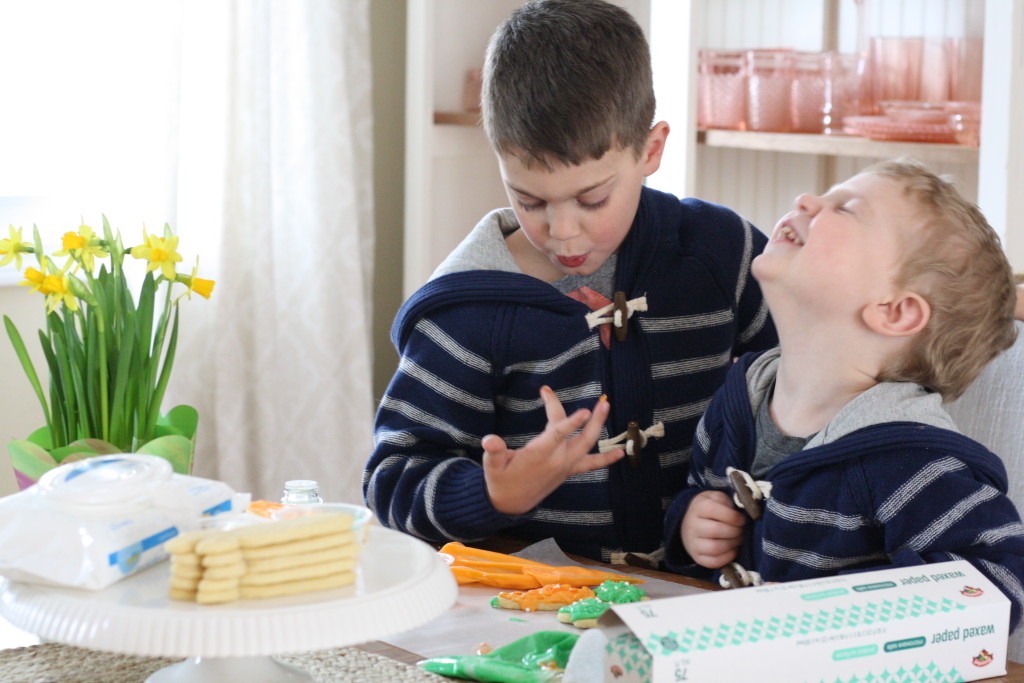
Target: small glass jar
[(769, 84), (721, 89), (844, 90), (301, 492), (807, 96)]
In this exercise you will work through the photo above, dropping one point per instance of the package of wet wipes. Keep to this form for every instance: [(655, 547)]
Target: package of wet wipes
[(93, 522)]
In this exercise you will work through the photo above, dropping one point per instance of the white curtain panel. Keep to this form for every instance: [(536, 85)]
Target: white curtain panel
[(274, 189)]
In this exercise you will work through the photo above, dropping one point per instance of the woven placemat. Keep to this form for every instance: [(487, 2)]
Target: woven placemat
[(56, 663)]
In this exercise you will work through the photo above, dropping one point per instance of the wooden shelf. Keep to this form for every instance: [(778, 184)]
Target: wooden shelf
[(457, 118), (837, 145), (797, 143)]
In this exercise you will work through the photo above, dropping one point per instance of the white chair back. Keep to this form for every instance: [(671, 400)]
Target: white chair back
[(992, 411)]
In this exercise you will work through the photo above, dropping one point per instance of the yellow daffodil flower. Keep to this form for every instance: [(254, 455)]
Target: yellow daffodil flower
[(160, 252), (71, 241), (203, 288), (83, 247), (35, 280), (58, 289), (12, 248)]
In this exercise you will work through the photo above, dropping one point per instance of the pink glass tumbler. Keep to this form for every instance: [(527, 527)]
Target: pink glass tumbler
[(807, 95), (721, 89), (843, 90), (769, 86), (896, 68)]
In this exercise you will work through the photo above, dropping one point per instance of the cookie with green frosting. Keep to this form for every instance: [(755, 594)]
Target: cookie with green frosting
[(583, 613), (619, 592)]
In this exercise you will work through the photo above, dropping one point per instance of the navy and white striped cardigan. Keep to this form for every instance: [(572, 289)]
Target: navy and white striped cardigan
[(477, 346), (890, 495)]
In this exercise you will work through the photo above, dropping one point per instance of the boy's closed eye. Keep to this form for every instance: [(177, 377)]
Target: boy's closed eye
[(592, 205), (842, 202), (529, 206)]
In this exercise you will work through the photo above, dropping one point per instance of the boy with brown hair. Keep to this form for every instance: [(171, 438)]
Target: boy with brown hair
[(890, 294), (590, 285)]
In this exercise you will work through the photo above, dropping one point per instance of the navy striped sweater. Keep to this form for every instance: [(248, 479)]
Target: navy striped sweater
[(477, 346), (889, 495)]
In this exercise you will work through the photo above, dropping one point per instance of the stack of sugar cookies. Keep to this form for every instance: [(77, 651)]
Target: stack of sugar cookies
[(265, 560)]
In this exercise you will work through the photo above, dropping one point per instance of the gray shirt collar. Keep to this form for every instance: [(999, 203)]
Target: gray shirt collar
[(884, 402)]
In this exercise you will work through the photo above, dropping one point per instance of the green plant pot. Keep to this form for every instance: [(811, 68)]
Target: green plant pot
[(173, 439)]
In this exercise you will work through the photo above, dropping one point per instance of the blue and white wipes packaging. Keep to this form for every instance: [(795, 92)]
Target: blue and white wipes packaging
[(93, 522)]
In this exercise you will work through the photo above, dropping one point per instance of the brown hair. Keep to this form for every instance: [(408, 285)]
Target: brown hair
[(957, 264), (566, 80)]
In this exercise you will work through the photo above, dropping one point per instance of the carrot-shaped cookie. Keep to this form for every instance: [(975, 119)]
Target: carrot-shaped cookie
[(545, 598)]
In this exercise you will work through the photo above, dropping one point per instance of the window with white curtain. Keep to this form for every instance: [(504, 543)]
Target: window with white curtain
[(88, 98)]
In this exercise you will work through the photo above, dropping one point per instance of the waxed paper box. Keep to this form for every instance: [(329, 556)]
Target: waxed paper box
[(933, 623)]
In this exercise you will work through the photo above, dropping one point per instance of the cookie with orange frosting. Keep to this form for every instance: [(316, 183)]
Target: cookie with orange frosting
[(546, 598)]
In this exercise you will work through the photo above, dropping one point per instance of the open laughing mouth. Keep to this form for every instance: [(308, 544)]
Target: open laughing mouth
[(572, 261), (788, 234)]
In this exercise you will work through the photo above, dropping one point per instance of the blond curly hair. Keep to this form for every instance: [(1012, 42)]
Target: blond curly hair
[(956, 262)]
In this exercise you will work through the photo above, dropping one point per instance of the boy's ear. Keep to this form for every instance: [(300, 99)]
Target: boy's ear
[(655, 147), (903, 315)]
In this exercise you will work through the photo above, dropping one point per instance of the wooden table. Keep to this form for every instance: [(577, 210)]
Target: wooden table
[(1014, 670)]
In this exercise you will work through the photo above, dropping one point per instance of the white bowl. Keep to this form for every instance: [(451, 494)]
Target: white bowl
[(360, 515)]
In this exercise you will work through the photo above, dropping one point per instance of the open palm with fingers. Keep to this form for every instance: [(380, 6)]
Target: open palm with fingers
[(519, 479)]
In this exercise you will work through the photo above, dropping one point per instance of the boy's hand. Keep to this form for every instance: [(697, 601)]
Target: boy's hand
[(712, 529), (518, 480)]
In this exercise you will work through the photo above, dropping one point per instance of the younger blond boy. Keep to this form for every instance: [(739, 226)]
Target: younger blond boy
[(890, 293)]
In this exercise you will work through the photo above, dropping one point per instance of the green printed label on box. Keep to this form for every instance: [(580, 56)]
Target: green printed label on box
[(874, 586), (854, 652), (905, 644), (821, 595)]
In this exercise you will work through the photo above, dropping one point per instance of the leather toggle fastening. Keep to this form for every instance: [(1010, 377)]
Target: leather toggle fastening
[(632, 440), (620, 313), (749, 493), (733, 575), (617, 313)]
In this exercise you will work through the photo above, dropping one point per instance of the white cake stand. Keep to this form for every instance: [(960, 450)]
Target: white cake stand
[(401, 583)]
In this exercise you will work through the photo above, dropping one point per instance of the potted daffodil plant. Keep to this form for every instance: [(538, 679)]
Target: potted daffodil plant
[(108, 353)]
